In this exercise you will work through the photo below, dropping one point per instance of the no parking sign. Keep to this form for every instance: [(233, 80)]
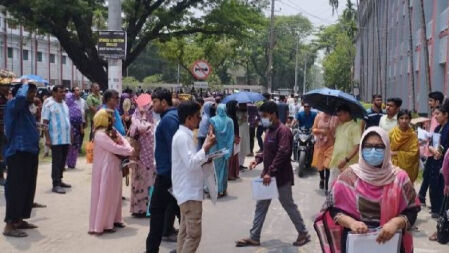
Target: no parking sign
[(201, 69)]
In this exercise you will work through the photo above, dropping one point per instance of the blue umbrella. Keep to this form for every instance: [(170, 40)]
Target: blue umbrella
[(35, 78), (328, 100), (244, 97)]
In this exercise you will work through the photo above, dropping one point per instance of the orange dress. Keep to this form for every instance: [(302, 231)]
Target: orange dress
[(324, 131)]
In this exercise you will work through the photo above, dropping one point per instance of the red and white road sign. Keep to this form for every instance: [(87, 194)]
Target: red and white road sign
[(201, 69)]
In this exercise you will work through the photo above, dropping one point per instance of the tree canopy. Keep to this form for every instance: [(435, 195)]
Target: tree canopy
[(74, 24)]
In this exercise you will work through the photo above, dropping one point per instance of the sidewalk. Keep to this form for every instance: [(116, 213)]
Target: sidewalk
[(63, 224)]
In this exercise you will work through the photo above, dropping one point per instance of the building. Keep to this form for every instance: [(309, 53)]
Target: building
[(25, 52), (387, 63)]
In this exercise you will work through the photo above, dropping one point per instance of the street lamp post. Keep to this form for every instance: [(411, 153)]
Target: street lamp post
[(115, 65)]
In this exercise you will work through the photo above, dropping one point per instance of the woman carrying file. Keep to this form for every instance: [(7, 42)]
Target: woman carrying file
[(370, 194)]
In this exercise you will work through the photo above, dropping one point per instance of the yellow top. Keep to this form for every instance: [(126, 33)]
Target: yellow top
[(347, 135), (406, 146)]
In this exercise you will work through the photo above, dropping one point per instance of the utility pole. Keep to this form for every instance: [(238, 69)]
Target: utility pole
[(178, 74), (115, 65), (270, 50), (305, 73), (295, 88)]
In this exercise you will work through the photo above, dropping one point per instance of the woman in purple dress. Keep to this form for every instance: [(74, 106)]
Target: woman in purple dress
[(76, 122)]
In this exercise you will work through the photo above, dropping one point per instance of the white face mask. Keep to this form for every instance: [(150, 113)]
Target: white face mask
[(266, 122)]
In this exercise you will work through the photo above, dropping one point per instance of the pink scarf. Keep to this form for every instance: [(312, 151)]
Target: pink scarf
[(373, 175)]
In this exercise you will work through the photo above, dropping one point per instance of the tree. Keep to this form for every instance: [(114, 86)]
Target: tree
[(338, 42), (338, 64), (74, 23)]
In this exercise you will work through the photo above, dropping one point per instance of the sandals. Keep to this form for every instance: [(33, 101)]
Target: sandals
[(37, 205), (433, 237), (112, 230), (15, 233), (24, 225), (246, 242), (119, 225), (302, 240)]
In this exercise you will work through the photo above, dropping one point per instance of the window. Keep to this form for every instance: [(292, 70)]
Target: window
[(39, 56), (25, 55), (443, 20), (64, 59), (10, 52), (429, 29), (443, 50), (52, 58)]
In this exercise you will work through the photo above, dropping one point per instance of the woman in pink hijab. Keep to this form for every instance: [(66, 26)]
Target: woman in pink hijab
[(372, 193)]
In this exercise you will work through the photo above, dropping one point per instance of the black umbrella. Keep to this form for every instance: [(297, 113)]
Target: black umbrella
[(328, 100)]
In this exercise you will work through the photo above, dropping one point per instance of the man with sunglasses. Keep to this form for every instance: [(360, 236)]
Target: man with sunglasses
[(305, 118)]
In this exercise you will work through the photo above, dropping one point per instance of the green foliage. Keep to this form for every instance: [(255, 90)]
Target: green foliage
[(74, 24), (337, 41), (152, 79)]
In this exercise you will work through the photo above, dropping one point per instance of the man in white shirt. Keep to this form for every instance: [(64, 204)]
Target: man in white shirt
[(390, 120), (187, 175), (56, 123)]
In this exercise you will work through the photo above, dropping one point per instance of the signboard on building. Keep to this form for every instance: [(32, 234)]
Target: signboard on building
[(200, 85), (112, 44), (201, 69)]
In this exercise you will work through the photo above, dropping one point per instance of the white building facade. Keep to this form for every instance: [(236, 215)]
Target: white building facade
[(24, 52)]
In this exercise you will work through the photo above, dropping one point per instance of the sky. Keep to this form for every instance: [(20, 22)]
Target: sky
[(319, 12)]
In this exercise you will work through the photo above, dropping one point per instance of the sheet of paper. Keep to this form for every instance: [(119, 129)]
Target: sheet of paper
[(210, 181), (217, 154), (436, 140), (236, 149), (366, 243), (263, 192), (423, 134)]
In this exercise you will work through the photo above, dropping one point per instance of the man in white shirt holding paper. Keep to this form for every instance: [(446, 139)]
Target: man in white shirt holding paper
[(187, 175)]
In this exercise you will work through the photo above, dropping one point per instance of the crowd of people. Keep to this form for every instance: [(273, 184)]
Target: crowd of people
[(367, 167)]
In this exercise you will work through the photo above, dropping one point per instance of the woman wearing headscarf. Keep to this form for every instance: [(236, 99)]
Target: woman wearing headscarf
[(204, 124), (324, 131), (234, 162), (143, 173), (223, 128), (76, 122), (405, 145), (369, 194), (106, 194)]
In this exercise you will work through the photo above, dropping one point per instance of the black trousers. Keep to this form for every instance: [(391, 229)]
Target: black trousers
[(163, 209), (58, 159), (436, 190), (252, 135), (260, 130), (20, 186)]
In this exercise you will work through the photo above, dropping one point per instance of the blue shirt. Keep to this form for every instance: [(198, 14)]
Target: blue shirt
[(165, 131), (306, 120), (118, 124), (20, 125), (57, 115)]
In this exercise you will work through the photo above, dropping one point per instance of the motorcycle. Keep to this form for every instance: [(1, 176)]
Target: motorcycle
[(303, 143)]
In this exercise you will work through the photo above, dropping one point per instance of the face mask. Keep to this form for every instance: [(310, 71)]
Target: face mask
[(373, 156), (266, 122)]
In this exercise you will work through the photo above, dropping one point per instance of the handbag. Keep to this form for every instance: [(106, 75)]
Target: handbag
[(89, 152), (443, 223)]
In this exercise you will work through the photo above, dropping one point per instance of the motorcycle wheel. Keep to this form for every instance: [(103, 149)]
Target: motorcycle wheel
[(301, 163)]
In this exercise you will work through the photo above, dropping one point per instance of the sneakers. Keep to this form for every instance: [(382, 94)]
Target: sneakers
[(58, 189)]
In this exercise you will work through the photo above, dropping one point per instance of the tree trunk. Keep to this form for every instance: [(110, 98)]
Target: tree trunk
[(425, 46), (412, 60)]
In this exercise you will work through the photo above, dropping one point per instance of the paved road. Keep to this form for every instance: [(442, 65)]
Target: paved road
[(63, 224)]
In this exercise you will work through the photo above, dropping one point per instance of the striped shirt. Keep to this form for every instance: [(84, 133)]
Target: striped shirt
[(58, 118)]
